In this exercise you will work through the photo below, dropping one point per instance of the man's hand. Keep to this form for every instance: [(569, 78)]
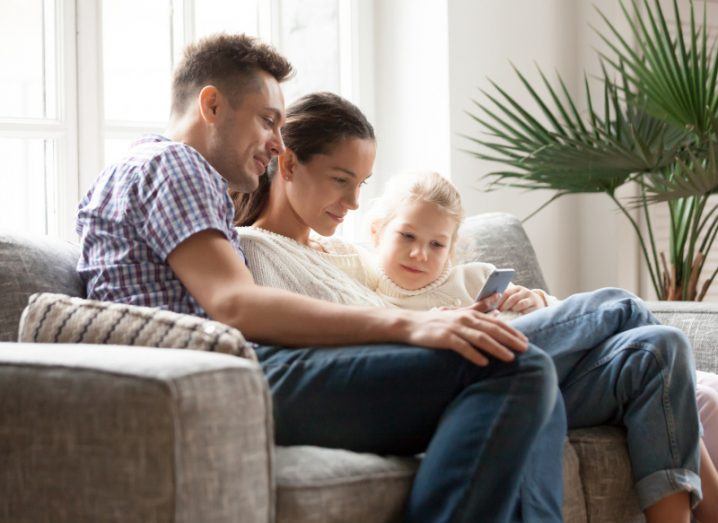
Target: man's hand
[(520, 299), (471, 333)]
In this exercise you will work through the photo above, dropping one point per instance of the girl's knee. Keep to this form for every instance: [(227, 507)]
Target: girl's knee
[(616, 294)]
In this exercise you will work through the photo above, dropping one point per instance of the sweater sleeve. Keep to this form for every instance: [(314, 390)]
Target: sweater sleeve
[(371, 270), (475, 276)]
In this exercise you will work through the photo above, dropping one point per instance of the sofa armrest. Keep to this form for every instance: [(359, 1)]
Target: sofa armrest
[(113, 433), (699, 321)]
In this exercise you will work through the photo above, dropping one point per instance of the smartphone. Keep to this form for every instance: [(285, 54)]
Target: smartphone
[(497, 282)]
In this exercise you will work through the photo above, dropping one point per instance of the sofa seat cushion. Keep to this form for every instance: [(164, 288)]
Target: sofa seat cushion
[(606, 475), (331, 485)]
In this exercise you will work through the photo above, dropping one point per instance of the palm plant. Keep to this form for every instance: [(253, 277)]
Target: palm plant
[(658, 128)]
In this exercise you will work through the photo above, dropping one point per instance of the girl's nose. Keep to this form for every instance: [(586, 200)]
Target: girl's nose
[(419, 253)]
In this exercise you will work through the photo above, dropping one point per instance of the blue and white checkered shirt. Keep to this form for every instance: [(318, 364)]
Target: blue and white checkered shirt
[(138, 211)]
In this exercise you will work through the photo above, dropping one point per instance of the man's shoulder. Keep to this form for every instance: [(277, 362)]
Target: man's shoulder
[(157, 155)]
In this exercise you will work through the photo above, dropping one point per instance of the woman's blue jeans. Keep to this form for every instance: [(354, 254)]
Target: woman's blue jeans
[(493, 436)]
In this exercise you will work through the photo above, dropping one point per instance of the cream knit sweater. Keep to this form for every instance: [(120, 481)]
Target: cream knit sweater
[(457, 286), (278, 261)]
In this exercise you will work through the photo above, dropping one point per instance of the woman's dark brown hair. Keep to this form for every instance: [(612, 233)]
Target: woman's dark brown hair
[(315, 124)]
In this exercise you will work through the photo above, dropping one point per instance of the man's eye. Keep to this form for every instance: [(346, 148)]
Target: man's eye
[(269, 121)]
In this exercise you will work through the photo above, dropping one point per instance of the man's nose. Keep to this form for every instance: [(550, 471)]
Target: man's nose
[(276, 144)]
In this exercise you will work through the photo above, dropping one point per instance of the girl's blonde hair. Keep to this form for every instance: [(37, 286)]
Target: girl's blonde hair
[(422, 186)]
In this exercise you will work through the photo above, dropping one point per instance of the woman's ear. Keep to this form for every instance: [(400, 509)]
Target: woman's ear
[(287, 164)]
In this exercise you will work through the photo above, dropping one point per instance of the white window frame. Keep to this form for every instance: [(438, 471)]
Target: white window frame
[(62, 129), (80, 130)]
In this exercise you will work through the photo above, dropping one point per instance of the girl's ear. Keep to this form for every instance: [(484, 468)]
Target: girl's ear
[(375, 232), (287, 164)]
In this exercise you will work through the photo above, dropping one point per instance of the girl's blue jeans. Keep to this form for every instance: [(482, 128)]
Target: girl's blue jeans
[(493, 436)]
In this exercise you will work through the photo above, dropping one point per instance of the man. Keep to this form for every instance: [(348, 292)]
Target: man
[(156, 230)]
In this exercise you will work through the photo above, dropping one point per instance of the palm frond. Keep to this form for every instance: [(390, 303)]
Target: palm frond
[(693, 176)]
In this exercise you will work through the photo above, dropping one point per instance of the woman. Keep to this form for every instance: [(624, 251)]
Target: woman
[(609, 353)]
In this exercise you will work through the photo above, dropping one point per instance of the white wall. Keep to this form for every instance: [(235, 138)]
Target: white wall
[(431, 58), (484, 37), (411, 86), (608, 252)]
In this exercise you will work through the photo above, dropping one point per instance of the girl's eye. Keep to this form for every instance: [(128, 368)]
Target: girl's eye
[(407, 235), (438, 245)]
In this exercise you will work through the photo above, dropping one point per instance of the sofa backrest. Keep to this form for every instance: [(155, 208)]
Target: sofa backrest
[(500, 239), (30, 264)]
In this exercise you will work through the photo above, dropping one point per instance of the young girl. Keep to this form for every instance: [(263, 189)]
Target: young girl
[(414, 227)]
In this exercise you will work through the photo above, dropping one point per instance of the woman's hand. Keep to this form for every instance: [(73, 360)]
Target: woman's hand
[(467, 331), (520, 299)]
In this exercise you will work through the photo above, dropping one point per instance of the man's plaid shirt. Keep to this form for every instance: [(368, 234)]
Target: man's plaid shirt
[(138, 211)]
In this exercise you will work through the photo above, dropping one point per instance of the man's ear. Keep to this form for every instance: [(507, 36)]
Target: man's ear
[(287, 164), (209, 101)]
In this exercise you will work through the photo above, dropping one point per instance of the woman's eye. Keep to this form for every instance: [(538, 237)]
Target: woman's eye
[(340, 181), (269, 121)]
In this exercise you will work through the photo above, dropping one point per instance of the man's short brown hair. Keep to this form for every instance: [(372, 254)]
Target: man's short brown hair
[(227, 61)]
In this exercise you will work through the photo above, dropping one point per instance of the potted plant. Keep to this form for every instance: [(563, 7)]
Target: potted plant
[(658, 128)]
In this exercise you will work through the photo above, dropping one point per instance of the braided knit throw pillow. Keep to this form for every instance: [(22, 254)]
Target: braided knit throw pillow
[(57, 318)]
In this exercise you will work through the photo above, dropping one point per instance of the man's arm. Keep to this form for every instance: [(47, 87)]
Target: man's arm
[(215, 275)]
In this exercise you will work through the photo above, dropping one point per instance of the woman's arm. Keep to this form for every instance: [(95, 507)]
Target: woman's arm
[(216, 277)]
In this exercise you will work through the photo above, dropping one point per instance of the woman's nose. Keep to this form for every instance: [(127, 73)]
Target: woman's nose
[(351, 202)]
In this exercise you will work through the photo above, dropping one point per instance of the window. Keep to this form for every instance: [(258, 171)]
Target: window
[(63, 118), (37, 124)]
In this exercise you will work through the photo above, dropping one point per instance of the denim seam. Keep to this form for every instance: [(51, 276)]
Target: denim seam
[(472, 483), (667, 411)]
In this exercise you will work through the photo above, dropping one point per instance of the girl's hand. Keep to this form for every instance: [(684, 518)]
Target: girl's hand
[(520, 299), (488, 305)]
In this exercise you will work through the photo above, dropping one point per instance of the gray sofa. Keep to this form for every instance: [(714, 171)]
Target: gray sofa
[(108, 433)]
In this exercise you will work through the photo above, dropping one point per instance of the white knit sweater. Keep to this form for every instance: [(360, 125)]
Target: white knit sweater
[(277, 261), (457, 286)]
